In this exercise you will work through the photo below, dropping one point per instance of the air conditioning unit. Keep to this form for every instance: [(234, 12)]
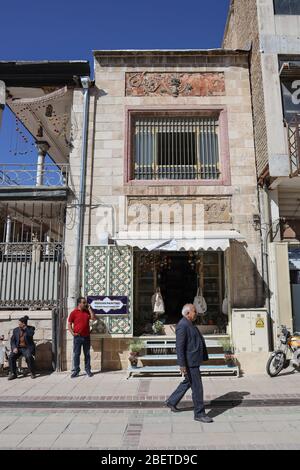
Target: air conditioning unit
[(250, 330)]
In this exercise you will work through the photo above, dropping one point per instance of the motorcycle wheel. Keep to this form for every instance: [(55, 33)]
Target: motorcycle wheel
[(276, 363)]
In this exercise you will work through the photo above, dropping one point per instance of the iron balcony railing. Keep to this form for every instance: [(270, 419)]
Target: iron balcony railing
[(176, 148), (293, 136), (14, 175), (30, 275)]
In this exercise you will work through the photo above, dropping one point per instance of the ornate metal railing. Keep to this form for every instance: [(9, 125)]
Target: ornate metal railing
[(27, 175), (30, 274), (293, 135)]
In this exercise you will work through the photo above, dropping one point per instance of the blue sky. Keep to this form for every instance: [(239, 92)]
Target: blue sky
[(65, 29)]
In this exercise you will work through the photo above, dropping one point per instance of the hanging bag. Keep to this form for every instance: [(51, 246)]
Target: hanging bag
[(200, 303), (158, 303), (225, 304)]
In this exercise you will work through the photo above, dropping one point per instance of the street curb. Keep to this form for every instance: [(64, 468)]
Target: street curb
[(137, 404)]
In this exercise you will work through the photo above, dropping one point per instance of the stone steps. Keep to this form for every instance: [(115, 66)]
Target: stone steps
[(160, 358)]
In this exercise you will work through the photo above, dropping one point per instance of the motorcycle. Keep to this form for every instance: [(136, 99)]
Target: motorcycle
[(287, 353)]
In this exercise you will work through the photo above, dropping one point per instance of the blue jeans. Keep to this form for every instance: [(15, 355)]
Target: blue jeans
[(85, 343), (192, 380)]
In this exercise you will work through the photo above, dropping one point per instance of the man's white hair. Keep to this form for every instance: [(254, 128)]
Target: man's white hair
[(186, 309)]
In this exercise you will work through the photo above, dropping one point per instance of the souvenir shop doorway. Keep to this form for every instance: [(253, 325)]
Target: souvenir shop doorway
[(177, 276)]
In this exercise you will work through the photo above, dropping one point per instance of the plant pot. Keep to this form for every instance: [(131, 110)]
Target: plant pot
[(229, 358)]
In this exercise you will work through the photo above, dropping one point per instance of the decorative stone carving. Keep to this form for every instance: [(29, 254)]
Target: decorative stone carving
[(217, 210), (175, 84)]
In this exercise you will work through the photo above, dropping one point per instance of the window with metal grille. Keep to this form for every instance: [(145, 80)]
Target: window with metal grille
[(287, 7), (176, 148)]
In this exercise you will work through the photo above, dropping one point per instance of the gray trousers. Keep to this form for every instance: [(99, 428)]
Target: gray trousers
[(192, 380)]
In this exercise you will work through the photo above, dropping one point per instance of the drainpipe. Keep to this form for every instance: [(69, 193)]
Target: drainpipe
[(265, 239), (86, 84)]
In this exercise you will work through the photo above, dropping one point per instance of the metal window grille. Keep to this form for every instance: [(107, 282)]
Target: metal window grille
[(176, 148)]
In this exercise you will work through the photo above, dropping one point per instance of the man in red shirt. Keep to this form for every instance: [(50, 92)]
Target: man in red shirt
[(79, 327)]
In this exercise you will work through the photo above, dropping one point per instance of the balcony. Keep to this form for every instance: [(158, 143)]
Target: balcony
[(33, 181), (31, 274), (293, 136)]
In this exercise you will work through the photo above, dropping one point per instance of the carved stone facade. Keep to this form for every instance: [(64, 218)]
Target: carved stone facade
[(215, 210), (163, 82), (175, 84)]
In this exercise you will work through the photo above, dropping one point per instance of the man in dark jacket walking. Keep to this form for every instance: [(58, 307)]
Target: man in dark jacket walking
[(191, 352), (22, 344)]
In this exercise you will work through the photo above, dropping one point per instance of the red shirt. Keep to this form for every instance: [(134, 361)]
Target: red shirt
[(80, 320)]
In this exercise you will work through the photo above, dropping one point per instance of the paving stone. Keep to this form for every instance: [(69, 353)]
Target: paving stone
[(111, 428), (15, 429), (247, 427), (280, 426), (50, 428), (153, 440), (162, 428), (182, 427), (83, 428), (74, 441), (217, 427), (257, 438), (11, 441), (34, 441), (102, 440)]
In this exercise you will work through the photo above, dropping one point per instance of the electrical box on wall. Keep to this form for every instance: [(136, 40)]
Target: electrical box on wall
[(250, 330)]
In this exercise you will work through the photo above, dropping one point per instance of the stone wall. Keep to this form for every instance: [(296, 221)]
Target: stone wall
[(42, 321), (243, 33)]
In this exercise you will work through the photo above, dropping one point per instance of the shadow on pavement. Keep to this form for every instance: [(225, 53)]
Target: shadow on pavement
[(226, 402)]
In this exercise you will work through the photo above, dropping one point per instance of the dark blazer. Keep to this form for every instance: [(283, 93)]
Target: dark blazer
[(190, 344), (28, 337)]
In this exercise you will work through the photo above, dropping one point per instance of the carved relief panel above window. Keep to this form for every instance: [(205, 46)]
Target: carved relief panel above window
[(175, 84)]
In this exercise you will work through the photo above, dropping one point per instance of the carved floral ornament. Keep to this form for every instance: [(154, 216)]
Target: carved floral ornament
[(175, 84), (216, 210)]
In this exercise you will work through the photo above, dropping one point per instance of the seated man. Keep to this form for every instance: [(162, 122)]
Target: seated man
[(22, 344)]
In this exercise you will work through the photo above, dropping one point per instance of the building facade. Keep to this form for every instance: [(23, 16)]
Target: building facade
[(269, 30), (170, 194), (35, 191), (152, 188)]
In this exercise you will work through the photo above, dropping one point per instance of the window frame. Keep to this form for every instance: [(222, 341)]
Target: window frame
[(170, 111)]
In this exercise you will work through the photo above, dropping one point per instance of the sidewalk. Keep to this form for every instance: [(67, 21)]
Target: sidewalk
[(112, 389)]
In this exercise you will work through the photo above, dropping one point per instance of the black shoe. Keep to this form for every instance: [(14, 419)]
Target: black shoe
[(172, 407), (74, 374), (32, 375), (204, 419), (12, 377), (89, 374)]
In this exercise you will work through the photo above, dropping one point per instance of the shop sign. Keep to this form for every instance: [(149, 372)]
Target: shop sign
[(108, 304)]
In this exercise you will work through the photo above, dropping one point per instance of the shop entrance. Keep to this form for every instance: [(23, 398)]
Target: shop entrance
[(178, 276), (178, 286)]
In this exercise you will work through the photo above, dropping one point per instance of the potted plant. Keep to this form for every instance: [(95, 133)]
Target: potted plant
[(158, 328), (134, 350), (228, 351)]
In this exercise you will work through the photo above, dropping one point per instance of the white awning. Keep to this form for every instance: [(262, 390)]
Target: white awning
[(208, 241)]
